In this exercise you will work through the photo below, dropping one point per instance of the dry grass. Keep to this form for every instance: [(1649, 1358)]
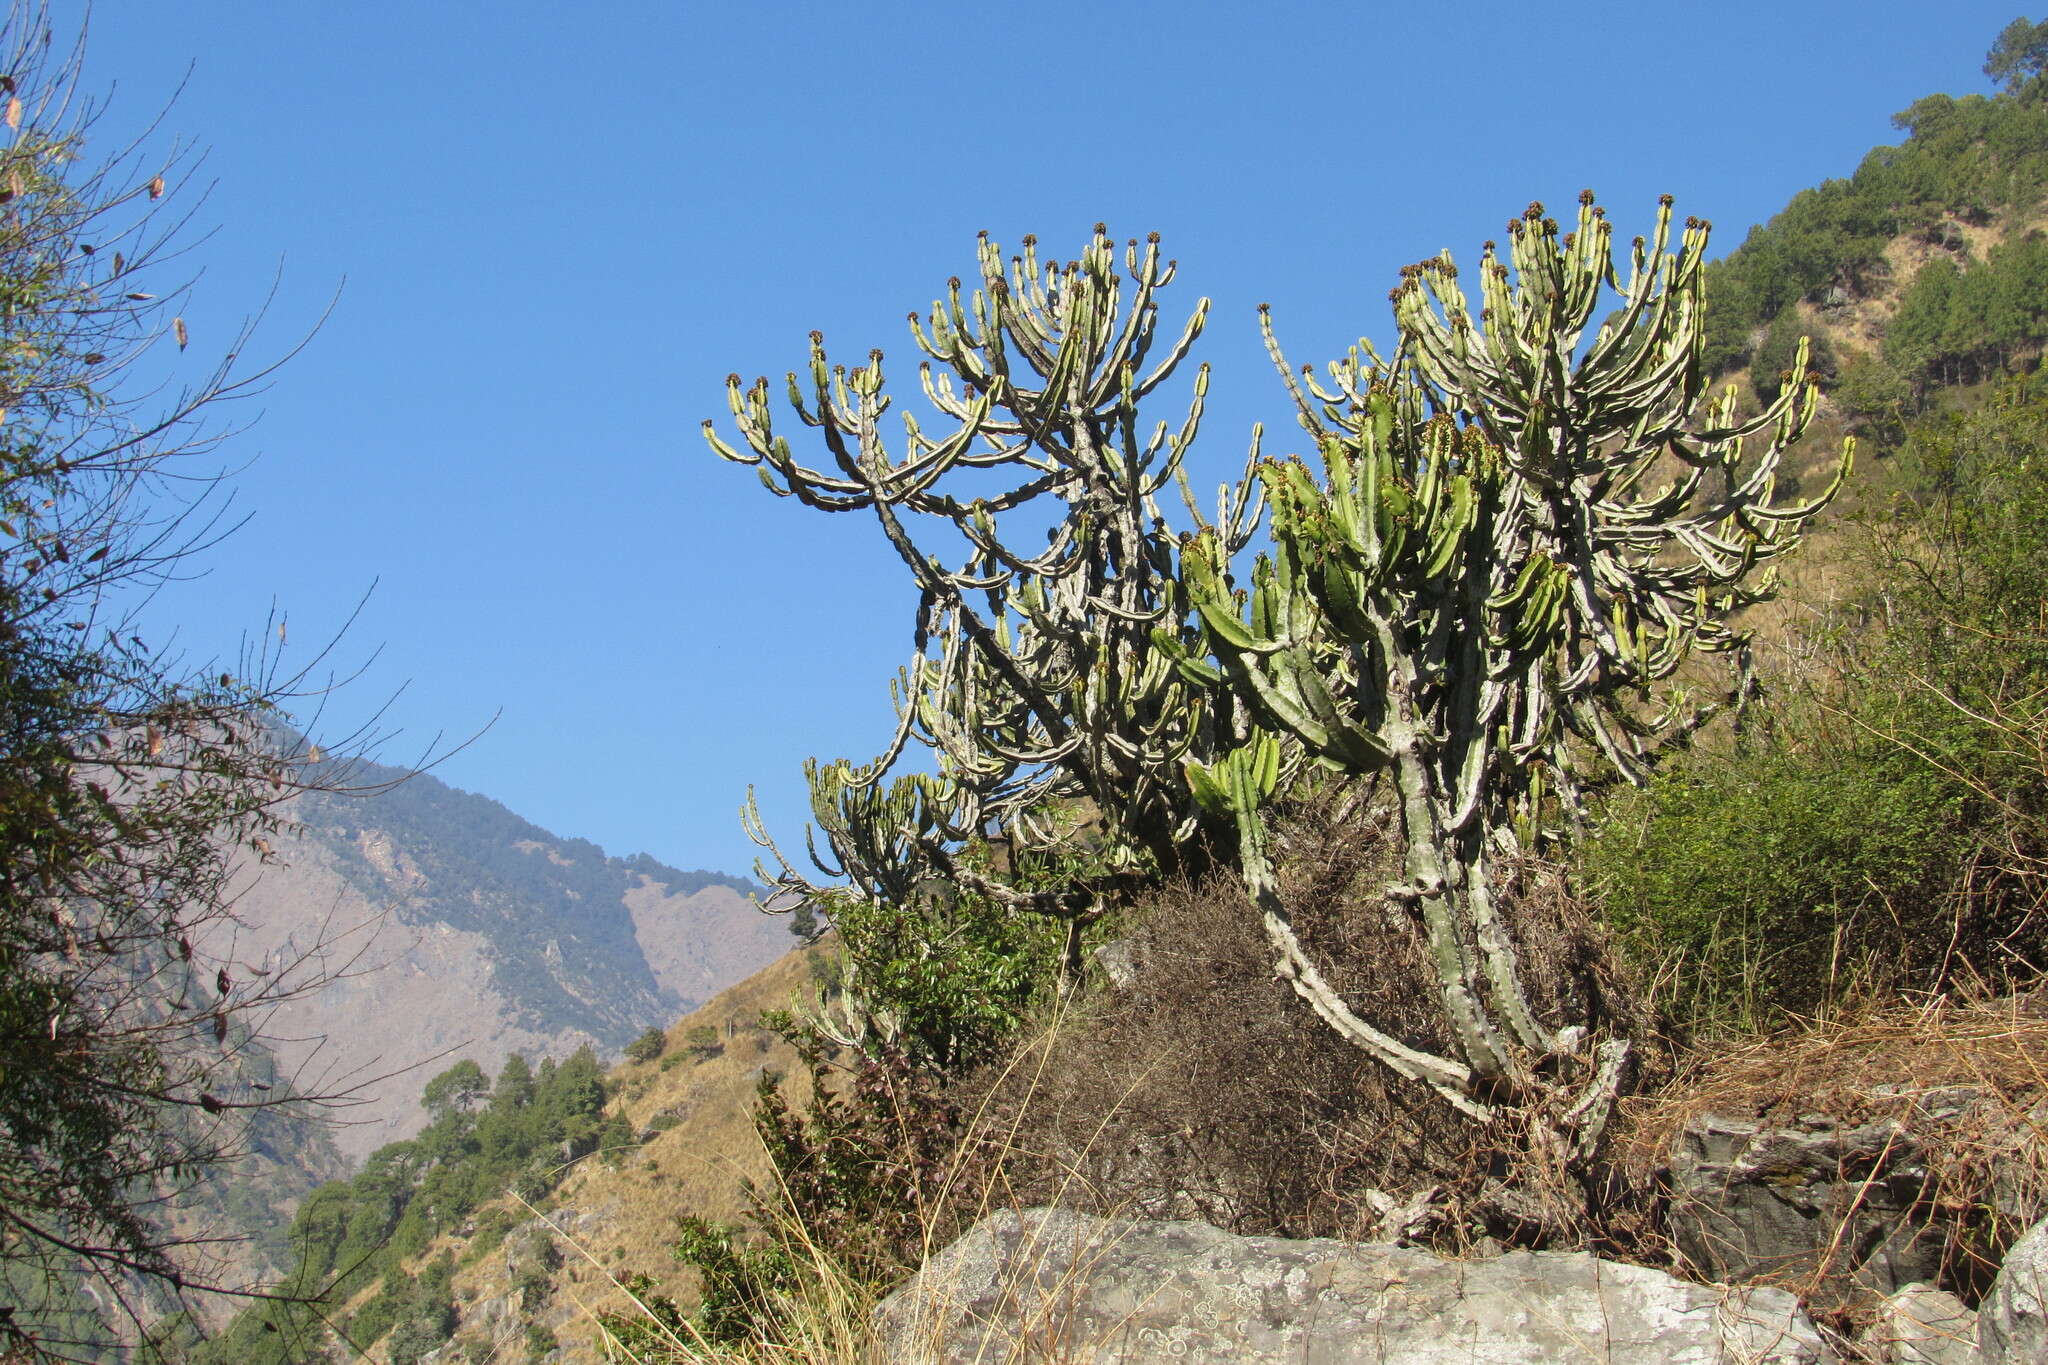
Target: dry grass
[(826, 1321), (1882, 1065), (700, 1165), (1206, 1089), (828, 1318)]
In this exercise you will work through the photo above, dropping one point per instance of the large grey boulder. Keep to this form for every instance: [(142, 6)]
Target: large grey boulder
[(1047, 1284), (2012, 1322)]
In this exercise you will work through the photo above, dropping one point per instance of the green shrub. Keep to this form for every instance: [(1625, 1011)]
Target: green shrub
[(1876, 398), (1774, 884), (533, 1184), (648, 1045), (951, 976), (650, 1330), (533, 1285), (615, 1141), (827, 971), (1890, 832)]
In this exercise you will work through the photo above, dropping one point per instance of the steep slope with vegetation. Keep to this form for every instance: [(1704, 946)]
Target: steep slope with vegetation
[(482, 1138), (1923, 270), (1885, 834), (487, 1225), (1882, 834)]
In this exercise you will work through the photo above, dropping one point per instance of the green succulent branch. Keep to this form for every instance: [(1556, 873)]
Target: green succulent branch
[(1035, 680), (1481, 600)]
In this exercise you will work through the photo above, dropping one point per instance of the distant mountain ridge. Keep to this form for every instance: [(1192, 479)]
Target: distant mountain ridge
[(457, 928)]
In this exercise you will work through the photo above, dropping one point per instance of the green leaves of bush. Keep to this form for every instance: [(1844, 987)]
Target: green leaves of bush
[(1774, 884), (648, 1046), (1890, 833)]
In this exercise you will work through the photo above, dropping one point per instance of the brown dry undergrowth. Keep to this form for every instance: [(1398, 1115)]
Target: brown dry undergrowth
[(1899, 1064), (825, 1314), (1858, 1070), (1203, 1087)]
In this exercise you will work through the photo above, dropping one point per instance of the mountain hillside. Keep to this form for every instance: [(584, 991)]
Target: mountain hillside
[(1924, 270), (691, 1111), (427, 1240), (456, 929)]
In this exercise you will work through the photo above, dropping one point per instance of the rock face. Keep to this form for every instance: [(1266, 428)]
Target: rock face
[(1047, 1284), (1816, 1205), (513, 1289), (1922, 1325), (1845, 1213), (2012, 1323)]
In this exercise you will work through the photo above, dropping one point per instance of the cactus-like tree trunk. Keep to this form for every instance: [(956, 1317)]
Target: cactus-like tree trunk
[(1483, 602)]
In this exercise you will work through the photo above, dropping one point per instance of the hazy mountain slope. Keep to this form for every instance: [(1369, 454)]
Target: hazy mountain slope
[(510, 1275), (457, 929), (232, 1221), (251, 1201)]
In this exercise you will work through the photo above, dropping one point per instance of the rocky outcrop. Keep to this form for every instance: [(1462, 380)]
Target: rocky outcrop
[(1847, 1212), (1803, 1204), (1051, 1284), (1922, 1325), (2012, 1323), (511, 1292)]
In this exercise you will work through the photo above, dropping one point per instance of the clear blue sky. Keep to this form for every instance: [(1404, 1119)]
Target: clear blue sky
[(560, 226)]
